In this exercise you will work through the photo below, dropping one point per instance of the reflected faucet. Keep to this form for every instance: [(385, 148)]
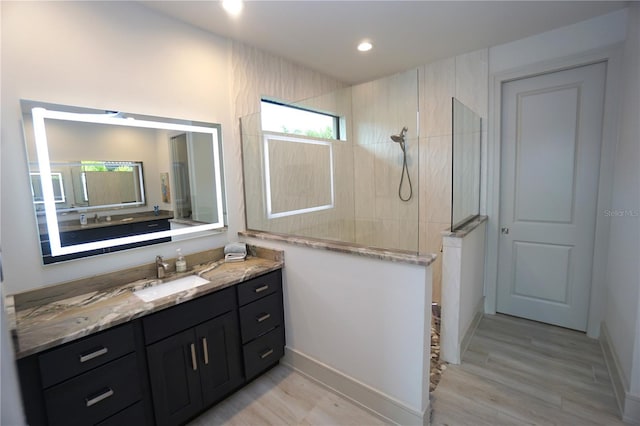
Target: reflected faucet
[(161, 266)]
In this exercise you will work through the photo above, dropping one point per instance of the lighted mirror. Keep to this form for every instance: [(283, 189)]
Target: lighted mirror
[(105, 181)]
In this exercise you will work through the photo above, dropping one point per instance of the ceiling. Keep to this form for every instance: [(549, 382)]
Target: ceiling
[(323, 35)]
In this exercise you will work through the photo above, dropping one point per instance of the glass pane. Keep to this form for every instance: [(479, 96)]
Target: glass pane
[(467, 130)]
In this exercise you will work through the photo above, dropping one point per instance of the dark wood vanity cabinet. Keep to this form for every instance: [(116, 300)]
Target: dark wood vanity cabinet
[(161, 369), (195, 368), (261, 322), (86, 382)]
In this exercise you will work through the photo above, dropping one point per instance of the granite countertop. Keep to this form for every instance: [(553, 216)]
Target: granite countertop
[(400, 256), (40, 321)]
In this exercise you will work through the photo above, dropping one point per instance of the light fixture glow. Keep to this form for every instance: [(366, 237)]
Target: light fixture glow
[(365, 46), (233, 7), (267, 174), (42, 149)]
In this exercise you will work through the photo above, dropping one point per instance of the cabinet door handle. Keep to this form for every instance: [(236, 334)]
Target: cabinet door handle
[(194, 364), (266, 354), (152, 225), (261, 289), (205, 349), (94, 354), (263, 317), (92, 400)]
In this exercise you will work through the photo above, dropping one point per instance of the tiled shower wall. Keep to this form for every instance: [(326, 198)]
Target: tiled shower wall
[(465, 77), (381, 108), (257, 74)]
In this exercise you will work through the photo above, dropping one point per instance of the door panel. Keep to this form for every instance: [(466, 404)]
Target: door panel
[(548, 135), (551, 136), (175, 384), (551, 283), (219, 343)]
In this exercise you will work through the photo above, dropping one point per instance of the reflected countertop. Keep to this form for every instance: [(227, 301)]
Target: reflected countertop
[(119, 219)]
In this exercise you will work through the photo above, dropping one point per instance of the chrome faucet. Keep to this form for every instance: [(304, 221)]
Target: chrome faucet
[(161, 266)]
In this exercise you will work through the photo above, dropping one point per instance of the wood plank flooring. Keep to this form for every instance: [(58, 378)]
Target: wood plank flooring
[(515, 372), (520, 372), (284, 397)]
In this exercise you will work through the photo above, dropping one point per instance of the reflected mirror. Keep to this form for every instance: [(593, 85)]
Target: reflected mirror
[(105, 181)]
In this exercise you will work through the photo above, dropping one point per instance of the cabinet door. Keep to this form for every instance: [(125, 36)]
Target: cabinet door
[(220, 357), (174, 376)]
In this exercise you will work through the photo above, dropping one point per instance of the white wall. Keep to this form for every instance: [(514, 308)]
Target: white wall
[(622, 315), (369, 319), (462, 290), (107, 55)]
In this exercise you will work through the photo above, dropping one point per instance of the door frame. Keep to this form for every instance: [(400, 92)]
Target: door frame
[(612, 56)]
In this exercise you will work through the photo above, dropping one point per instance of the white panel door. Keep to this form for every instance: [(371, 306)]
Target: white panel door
[(551, 136)]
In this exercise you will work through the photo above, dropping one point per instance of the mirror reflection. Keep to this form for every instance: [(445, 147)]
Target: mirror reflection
[(104, 181), (91, 185)]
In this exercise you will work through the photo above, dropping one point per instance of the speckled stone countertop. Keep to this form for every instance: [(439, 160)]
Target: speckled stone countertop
[(400, 256), (44, 318)]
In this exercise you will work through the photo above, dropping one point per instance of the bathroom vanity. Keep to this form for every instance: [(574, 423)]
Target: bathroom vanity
[(106, 357)]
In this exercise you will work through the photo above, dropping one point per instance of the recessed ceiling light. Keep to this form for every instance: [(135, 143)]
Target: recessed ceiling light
[(365, 46), (233, 7)]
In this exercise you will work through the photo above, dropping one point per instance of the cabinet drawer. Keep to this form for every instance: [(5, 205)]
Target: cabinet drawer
[(150, 226), (263, 352), (259, 287), (133, 415), (77, 357), (95, 395), (259, 317), (178, 318)]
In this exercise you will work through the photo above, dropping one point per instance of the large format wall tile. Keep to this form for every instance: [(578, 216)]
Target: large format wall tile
[(439, 85), (472, 80)]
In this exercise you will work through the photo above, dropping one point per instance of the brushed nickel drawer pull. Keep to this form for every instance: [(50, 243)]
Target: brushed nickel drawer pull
[(104, 395), (95, 354), (194, 364), (206, 351), (263, 317), (266, 354), (261, 289)]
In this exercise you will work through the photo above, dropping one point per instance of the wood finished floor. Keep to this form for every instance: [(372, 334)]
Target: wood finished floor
[(284, 397), (515, 372), (519, 372)]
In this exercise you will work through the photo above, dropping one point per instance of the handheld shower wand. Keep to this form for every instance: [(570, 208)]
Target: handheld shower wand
[(399, 139)]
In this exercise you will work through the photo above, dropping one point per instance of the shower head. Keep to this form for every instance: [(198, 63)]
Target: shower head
[(399, 138)]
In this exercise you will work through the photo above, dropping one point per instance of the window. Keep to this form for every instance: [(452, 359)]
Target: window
[(278, 117)]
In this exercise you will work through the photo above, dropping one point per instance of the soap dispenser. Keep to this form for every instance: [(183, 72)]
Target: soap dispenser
[(181, 263)]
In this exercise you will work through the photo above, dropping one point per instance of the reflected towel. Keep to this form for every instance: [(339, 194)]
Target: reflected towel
[(236, 248)]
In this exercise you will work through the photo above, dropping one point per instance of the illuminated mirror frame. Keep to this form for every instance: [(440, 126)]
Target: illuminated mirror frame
[(39, 114)]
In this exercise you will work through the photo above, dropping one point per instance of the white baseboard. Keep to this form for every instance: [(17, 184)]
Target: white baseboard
[(372, 400), (464, 343), (628, 403), (631, 413)]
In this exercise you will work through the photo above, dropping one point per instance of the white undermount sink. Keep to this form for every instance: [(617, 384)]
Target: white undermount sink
[(167, 288)]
